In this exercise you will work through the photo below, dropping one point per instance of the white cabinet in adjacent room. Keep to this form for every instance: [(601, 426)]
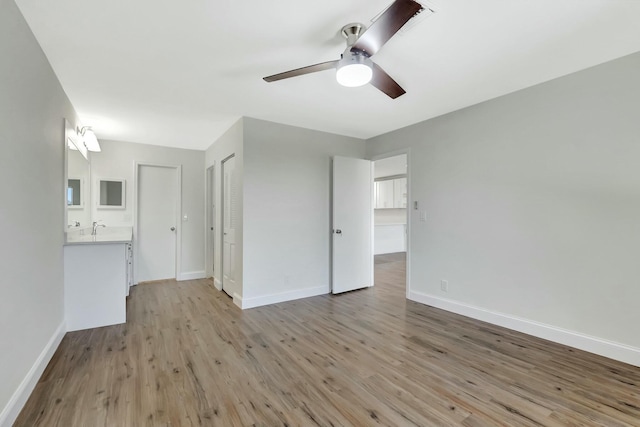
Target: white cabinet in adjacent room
[(400, 193), (391, 193), (384, 194)]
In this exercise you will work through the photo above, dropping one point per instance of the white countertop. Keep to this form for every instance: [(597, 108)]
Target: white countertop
[(104, 235)]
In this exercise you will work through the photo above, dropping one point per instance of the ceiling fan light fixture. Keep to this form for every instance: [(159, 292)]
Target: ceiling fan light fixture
[(355, 67), (354, 70)]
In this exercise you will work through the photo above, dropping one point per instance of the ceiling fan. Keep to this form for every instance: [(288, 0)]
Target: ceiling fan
[(355, 67)]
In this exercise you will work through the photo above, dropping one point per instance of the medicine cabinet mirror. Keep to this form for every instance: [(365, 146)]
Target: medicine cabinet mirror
[(111, 193)]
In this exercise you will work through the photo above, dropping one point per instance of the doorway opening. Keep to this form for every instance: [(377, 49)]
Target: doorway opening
[(390, 217), (211, 222)]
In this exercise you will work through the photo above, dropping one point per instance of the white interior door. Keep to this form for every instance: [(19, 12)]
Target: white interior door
[(352, 264), (157, 210), (229, 221)]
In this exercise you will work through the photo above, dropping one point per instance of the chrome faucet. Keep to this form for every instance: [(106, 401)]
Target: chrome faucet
[(95, 227)]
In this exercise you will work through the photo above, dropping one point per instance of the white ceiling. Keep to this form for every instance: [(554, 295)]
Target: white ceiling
[(179, 73)]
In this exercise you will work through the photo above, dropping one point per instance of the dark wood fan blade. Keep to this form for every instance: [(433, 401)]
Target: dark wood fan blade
[(383, 81), (301, 71), (386, 26)]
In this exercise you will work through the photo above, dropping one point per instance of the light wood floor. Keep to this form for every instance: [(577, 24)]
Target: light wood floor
[(188, 357)]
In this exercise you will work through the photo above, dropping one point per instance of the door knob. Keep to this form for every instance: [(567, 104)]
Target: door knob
[(173, 229), (338, 231)]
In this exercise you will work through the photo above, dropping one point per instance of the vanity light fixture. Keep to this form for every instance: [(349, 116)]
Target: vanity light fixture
[(89, 138)]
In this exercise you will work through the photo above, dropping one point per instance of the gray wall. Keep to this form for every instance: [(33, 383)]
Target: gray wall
[(117, 160), (287, 209), (533, 202), (32, 111)]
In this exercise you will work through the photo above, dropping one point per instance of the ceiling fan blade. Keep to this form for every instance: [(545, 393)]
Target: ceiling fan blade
[(383, 81), (301, 71), (383, 28)]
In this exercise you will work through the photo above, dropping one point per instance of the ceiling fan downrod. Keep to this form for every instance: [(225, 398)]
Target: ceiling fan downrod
[(352, 32)]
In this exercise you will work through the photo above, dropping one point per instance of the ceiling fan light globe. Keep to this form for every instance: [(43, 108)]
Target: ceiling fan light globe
[(354, 75), (354, 71)]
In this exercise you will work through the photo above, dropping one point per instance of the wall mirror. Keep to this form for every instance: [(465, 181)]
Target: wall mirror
[(76, 178), (111, 193), (74, 193)]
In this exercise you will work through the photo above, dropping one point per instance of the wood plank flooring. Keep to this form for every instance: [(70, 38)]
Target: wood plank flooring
[(188, 357)]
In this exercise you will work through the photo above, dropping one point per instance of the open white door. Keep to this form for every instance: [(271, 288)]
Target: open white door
[(229, 219), (352, 263)]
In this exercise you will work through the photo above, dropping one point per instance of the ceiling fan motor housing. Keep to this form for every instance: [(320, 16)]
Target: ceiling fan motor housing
[(352, 32), (354, 68)]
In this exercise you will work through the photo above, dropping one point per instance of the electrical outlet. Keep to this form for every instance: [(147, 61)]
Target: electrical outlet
[(444, 285), (423, 216), (287, 279)]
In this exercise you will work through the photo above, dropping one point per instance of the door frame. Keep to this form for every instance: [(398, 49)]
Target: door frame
[(221, 235), (410, 208), (178, 171), (210, 220)]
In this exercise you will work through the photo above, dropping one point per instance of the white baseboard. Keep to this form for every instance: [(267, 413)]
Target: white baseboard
[(282, 297), (217, 283), (20, 396), (237, 300), (191, 275), (602, 347)]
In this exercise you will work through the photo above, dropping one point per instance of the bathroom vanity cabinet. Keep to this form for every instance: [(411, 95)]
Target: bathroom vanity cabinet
[(97, 277)]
